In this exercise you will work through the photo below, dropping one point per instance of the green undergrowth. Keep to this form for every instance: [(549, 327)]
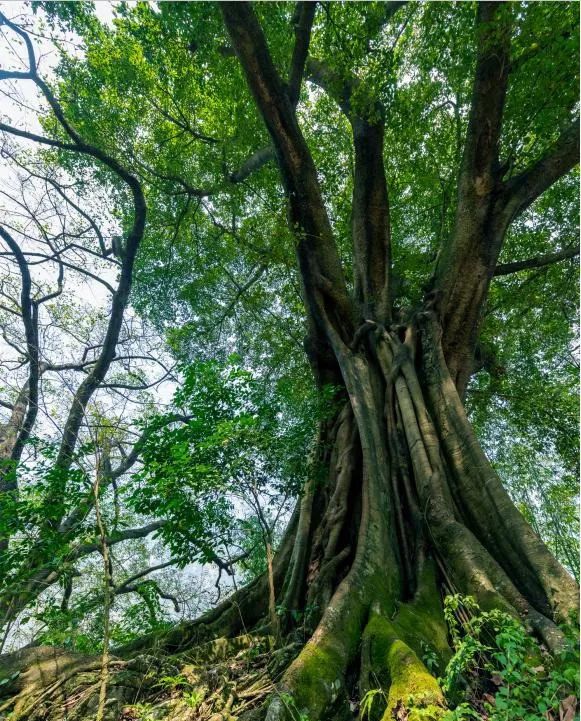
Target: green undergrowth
[(499, 673), (495, 672)]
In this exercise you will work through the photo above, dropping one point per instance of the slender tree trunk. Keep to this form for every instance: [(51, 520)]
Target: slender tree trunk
[(271, 590)]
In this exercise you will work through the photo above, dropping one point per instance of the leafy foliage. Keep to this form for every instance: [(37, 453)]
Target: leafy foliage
[(500, 673), (240, 444)]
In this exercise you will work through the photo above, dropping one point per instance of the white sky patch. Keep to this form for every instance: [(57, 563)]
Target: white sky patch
[(105, 11)]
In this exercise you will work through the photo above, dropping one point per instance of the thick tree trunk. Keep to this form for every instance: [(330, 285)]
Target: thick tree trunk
[(411, 504), (411, 507)]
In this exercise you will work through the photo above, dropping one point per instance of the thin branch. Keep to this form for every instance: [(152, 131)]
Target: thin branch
[(84, 549), (29, 310), (131, 458), (145, 572)]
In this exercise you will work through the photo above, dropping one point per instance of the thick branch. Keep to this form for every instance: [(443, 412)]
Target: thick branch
[(253, 163), (337, 87), (316, 249), (137, 588), (304, 14), (467, 260), (488, 96), (370, 218), (525, 188), (126, 586), (486, 204), (537, 262), (9, 433), (303, 20)]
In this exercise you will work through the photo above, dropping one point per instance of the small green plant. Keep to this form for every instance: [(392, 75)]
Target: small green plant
[(291, 706), (174, 681), (429, 657), (253, 651), (8, 679), (368, 699), (499, 672), (462, 712), (296, 615), (194, 698)]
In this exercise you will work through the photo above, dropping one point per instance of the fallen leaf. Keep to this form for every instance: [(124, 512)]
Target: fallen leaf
[(567, 708), (400, 712)]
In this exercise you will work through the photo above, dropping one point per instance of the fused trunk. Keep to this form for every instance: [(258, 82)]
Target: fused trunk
[(410, 505), (410, 509)]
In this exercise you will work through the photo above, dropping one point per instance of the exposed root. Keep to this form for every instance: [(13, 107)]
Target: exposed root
[(315, 679), (391, 667), (218, 681), (44, 679)]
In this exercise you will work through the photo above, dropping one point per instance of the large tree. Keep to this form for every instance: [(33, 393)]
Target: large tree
[(402, 500), (409, 485)]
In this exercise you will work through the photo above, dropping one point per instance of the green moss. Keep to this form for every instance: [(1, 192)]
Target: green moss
[(421, 622), (397, 665), (316, 677), (412, 685)]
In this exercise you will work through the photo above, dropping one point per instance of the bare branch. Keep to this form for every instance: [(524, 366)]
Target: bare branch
[(121, 296), (29, 310)]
